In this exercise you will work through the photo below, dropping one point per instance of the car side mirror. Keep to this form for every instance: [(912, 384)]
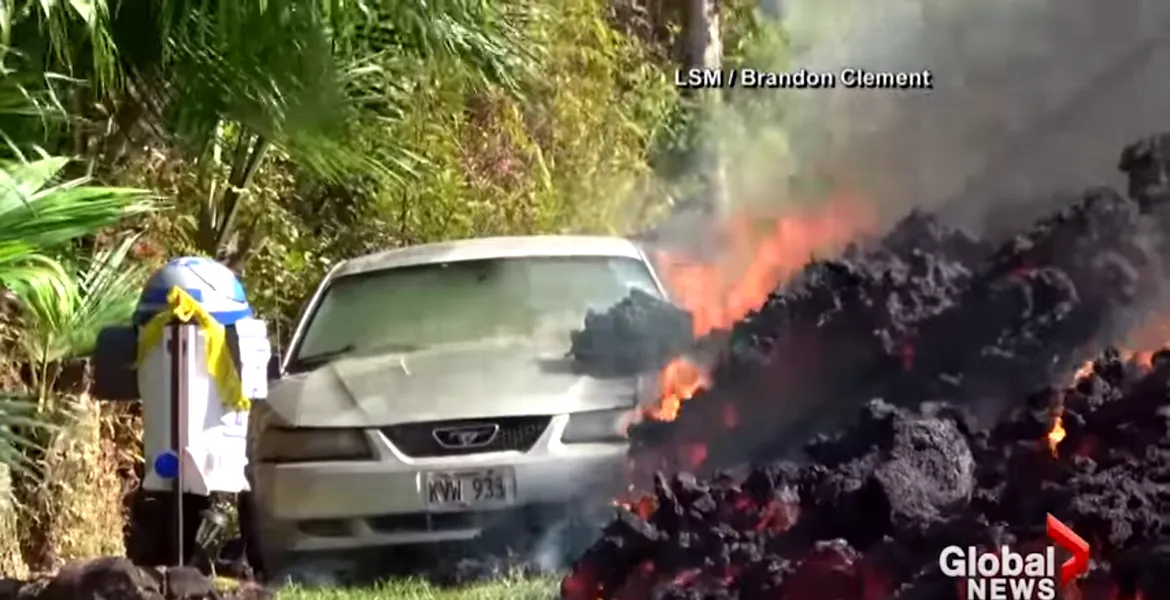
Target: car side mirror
[(274, 367)]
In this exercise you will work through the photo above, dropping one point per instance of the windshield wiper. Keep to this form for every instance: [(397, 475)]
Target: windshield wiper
[(315, 360)]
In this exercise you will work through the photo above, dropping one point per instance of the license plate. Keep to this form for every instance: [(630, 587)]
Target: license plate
[(469, 489)]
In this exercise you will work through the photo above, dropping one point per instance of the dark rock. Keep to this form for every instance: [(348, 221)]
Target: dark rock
[(1142, 570), (929, 472), (117, 578), (107, 578), (1147, 163), (187, 583), (9, 588), (637, 335)]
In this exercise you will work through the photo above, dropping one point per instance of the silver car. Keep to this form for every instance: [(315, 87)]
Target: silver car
[(427, 392)]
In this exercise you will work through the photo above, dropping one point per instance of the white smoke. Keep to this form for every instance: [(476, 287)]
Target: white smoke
[(1031, 96), (551, 552)]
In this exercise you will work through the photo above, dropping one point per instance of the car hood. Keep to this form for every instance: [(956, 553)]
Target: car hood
[(449, 382)]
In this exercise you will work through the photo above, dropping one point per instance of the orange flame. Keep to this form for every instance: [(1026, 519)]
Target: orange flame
[(1155, 332), (678, 381), (1057, 433), (756, 260), (643, 506)]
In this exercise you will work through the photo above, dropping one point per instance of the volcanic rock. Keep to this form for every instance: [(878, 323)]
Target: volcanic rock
[(944, 318), (966, 343), (116, 578), (637, 335), (866, 516), (830, 335), (927, 473), (1147, 163)]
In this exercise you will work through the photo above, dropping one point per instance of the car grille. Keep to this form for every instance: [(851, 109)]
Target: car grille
[(417, 440)]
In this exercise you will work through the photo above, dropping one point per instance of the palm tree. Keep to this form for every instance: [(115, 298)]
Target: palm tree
[(39, 212), (227, 81)]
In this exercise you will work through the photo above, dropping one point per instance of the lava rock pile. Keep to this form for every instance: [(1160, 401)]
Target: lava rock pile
[(637, 335), (928, 313), (866, 517), (117, 578), (953, 333)]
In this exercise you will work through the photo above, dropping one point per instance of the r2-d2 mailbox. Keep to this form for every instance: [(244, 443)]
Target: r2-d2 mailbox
[(201, 359)]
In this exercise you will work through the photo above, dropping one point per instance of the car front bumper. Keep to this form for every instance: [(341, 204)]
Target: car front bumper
[(336, 506)]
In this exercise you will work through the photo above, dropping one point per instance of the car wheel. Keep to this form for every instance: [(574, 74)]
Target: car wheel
[(250, 535)]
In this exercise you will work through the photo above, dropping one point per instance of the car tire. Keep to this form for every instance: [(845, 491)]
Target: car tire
[(250, 535), (267, 564)]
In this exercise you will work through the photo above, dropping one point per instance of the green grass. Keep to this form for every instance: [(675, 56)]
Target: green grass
[(509, 589)]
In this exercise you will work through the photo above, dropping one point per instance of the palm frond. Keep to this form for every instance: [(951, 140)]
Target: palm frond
[(63, 311), (486, 36), (29, 105), (301, 74), (108, 286), (49, 300), (74, 35), (35, 213), (20, 424)]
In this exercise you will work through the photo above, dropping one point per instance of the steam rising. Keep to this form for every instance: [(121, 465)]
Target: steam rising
[(1030, 95)]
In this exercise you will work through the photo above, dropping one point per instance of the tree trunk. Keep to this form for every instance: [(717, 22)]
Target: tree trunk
[(703, 49)]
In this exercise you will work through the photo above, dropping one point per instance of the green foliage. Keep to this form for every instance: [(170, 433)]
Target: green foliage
[(753, 38), (570, 155), (28, 107), (40, 211), (37, 215), (61, 36), (20, 422), (567, 154), (37, 212), (61, 321), (227, 81)]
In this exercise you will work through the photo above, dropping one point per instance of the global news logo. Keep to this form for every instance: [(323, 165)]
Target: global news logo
[(1009, 575)]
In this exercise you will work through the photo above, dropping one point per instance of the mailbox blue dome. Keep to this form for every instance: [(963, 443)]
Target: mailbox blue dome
[(210, 283)]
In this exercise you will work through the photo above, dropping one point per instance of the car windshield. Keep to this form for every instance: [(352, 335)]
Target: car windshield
[(403, 309)]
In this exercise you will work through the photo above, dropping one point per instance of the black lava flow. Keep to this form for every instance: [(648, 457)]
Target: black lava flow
[(955, 336), (637, 335)]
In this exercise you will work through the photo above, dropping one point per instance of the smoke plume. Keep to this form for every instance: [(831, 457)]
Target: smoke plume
[(1029, 95)]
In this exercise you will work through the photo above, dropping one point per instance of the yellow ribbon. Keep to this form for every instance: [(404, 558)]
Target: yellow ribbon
[(220, 365)]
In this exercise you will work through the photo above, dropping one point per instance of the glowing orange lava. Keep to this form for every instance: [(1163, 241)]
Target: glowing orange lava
[(678, 381), (759, 253), (1153, 333), (1057, 433), (643, 506)]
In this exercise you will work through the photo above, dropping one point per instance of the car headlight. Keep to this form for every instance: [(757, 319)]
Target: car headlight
[(283, 445), (598, 426)]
